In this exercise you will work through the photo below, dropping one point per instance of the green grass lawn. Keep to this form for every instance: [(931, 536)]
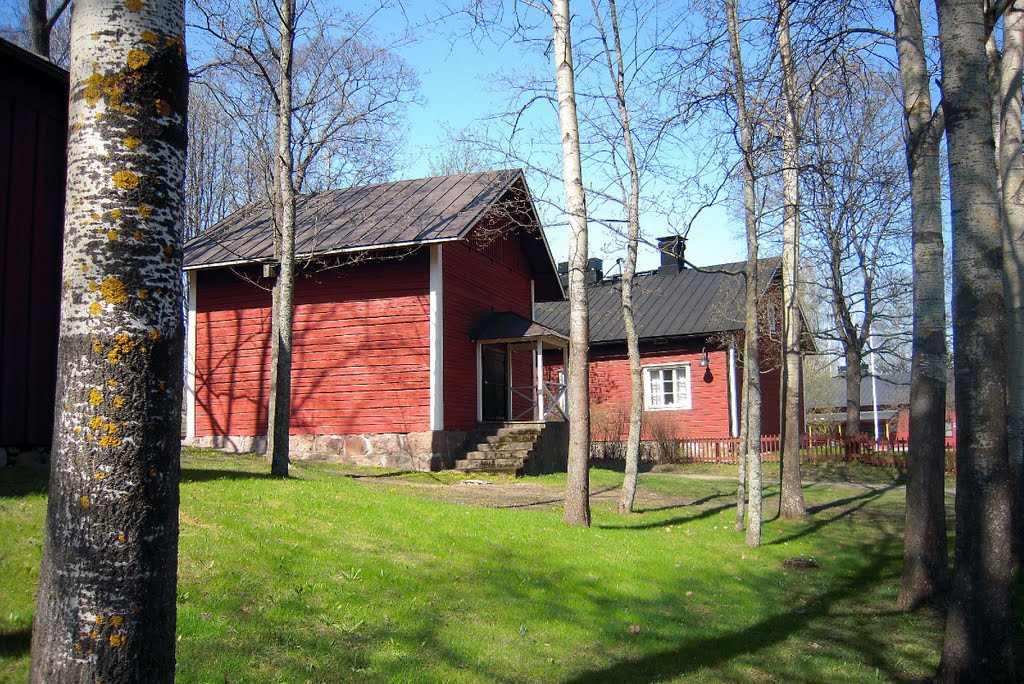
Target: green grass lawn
[(326, 577)]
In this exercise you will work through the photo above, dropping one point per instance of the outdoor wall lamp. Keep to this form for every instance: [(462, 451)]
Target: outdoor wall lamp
[(704, 357)]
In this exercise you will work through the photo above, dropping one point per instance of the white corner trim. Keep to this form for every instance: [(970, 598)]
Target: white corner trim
[(734, 414), (436, 340), (190, 358)]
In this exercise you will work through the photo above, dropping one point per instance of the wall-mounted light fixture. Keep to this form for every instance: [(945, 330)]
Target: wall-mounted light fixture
[(704, 357)]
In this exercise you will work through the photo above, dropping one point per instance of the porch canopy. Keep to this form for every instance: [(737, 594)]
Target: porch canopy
[(503, 391)]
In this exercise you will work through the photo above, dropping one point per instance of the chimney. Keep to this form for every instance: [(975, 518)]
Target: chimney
[(672, 249), (595, 270)]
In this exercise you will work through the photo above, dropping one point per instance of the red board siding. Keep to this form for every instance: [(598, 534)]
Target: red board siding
[(33, 144), (478, 276), (709, 394), (361, 351)]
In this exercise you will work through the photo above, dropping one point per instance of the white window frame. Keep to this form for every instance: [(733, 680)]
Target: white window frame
[(681, 403)]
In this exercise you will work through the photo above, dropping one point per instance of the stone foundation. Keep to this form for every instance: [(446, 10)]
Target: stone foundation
[(431, 450)]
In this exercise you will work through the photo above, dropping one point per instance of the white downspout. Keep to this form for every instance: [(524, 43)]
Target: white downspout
[(436, 341), (734, 416), (190, 359)]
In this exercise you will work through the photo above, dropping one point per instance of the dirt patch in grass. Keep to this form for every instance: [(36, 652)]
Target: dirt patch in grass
[(508, 493)]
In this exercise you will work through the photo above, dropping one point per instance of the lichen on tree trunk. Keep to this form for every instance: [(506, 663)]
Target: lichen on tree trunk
[(106, 597)]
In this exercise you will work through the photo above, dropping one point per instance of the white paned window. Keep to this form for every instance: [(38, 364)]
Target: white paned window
[(667, 387)]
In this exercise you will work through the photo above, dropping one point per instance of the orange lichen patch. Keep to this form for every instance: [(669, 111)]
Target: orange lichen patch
[(111, 235), (94, 635), (137, 59), (112, 290), (155, 335), (126, 180), (149, 37), (116, 640), (133, 5), (163, 108), (115, 621), (99, 474), (83, 501), (112, 428), (85, 267), (77, 430), (168, 250), (112, 383), (95, 397), (107, 441), (96, 423), (95, 217), (176, 41), (123, 345), (145, 211), (118, 402), (131, 142), (93, 90), (120, 537), (138, 235), (115, 214), (95, 308), (142, 294), (100, 619), (97, 346), (92, 286)]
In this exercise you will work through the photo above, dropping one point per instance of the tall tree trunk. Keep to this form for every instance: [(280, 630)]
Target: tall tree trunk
[(791, 499), (105, 607), (284, 288), (1011, 172), (750, 431), (925, 574), (853, 383), (617, 71), (978, 640), (577, 495)]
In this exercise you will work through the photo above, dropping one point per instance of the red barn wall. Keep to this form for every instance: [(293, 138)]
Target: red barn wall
[(33, 158), (478, 275), (361, 351)]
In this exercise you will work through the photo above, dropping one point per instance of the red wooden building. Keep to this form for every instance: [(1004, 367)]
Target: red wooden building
[(690, 323), (413, 320), (33, 144)]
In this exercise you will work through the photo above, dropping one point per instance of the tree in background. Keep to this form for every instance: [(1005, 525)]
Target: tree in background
[(42, 22), (978, 640), (856, 245), (106, 597)]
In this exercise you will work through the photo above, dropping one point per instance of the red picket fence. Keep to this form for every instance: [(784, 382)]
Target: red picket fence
[(860, 449)]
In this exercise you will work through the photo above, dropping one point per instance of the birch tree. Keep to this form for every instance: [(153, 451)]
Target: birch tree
[(750, 431), (791, 496), (105, 607), (978, 640), (577, 495), (613, 53), (925, 576)]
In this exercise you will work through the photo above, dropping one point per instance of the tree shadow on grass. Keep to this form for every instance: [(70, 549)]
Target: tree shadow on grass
[(23, 481), (848, 509), (671, 522), (555, 500), (211, 474), (811, 619), (15, 644)]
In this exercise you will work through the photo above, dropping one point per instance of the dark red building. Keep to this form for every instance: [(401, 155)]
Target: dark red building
[(33, 158), (413, 320)]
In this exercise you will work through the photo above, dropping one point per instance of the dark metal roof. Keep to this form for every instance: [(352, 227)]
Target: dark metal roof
[(666, 303), (33, 61), (508, 325)]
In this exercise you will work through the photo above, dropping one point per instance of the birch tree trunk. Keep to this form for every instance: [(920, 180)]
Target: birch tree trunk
[(617, 71), (925, 575), (1011, 173), (283, 310), (750, 432), (577, 495), (978, 640), (105, 607), (791, 498)]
